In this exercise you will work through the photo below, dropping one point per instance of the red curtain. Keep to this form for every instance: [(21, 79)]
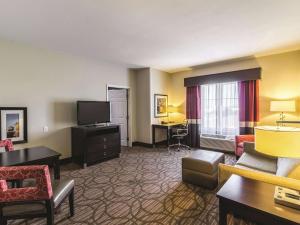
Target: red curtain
[(248, 105), (193, 114)]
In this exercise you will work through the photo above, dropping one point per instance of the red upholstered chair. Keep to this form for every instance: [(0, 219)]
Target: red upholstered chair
[(7, 143), (40, 200), (239, 143)]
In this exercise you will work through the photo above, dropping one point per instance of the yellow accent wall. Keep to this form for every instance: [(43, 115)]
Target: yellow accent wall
[(280, 80)]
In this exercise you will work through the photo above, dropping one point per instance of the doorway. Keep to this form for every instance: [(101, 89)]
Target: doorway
[(118, 98)]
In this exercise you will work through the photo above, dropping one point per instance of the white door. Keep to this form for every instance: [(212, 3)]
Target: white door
[(119, 111)]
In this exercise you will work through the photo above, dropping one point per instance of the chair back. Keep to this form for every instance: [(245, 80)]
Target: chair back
[(186, 126), (7, 144), (42, 190), (183, 130)]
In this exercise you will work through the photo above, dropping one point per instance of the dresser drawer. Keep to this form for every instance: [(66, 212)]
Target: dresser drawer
[(105, 153), (96, 147), (101, 139)]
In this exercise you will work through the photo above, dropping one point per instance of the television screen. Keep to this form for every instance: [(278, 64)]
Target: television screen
[(92, 112)]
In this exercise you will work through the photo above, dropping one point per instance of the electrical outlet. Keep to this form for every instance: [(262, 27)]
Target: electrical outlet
[(45, 129)]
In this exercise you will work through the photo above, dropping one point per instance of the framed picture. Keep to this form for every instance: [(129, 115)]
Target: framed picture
[(160, 105), (13, 124)]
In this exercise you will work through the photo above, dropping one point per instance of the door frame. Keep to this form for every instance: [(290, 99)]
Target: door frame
[(129, 109)]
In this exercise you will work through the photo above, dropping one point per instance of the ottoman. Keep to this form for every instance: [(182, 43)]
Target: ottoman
[(200, 167)]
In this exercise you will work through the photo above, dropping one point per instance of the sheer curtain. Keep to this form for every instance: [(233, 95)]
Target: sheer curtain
[(220, 109)]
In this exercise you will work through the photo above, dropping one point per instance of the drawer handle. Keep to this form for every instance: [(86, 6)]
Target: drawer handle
[(104, 139)]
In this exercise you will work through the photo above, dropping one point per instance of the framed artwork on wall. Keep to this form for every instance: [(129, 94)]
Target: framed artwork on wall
[(160, 105), (13, 124)]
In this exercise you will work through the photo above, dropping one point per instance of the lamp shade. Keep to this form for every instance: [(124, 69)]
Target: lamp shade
[(172, 109), (278, 141), (282, 106)]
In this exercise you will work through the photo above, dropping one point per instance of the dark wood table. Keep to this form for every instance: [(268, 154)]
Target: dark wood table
[(253, 201), (167, 127), (32, 156)]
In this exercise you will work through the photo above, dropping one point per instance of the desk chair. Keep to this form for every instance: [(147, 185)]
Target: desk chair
[(180, 134)]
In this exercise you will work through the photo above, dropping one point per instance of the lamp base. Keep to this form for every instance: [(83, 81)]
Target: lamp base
[(287, 197)]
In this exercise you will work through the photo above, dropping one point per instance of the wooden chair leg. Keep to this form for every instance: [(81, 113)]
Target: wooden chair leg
[(71, 202), (3, 222), (50, 212)]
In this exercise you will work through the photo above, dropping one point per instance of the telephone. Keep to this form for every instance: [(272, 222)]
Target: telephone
[(287, 197)]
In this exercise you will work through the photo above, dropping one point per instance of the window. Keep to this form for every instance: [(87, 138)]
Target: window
[(220, 109)]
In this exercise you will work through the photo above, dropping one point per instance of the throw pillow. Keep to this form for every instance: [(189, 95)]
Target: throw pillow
[(288, 167)]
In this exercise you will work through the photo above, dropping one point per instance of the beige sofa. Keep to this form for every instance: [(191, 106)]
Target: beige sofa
[(253, 160)]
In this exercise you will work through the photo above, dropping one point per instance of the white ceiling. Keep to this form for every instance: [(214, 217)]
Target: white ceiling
[(163, 34)]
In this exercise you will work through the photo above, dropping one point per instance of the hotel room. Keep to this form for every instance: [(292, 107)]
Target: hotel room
[(150, 112)]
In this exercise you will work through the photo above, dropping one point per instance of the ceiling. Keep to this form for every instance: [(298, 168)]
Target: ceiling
[(164, 34)]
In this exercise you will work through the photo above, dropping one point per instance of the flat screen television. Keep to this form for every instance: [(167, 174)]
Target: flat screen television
[(92, 112)]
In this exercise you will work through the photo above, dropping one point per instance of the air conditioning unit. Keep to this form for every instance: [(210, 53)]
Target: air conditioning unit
[(217, 142)]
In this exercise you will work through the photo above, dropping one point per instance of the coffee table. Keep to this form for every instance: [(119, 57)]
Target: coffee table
[(32, 156), (253, 201)]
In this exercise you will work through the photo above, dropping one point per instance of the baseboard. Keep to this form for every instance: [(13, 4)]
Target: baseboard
[(147, 145), (142, 144), (65, 161)]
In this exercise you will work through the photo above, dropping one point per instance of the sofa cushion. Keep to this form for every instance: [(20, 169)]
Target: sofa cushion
[(257, 162), (288, 167)]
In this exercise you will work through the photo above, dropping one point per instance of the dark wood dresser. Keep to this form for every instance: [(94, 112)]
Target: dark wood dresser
[(93, 144)]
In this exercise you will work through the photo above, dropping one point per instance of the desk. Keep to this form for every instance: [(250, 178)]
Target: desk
[(167, 127), (253, 201), (32, 156)]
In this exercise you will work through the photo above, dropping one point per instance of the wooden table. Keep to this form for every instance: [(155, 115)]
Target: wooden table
[(253, 201), (32, 156), (167, 127)]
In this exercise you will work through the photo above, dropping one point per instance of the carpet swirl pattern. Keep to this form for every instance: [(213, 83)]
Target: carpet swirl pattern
[(143, 186)]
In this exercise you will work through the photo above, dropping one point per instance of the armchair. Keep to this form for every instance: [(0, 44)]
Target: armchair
[(239, 143), (30, 202), (7, 143)]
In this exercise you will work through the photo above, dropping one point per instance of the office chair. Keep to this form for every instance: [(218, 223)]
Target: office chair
[(180, 134)]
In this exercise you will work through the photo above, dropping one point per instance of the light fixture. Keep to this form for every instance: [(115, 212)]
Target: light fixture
[(278, 142), (282, 106), (171, 109)]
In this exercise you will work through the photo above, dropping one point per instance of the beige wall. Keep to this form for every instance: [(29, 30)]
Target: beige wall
[(49, 84), (280, 80), (159, 84), (143, 106), (149, 82)]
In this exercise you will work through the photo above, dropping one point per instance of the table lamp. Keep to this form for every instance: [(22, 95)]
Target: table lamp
[(282, 106), (171, 109), (278, 142)]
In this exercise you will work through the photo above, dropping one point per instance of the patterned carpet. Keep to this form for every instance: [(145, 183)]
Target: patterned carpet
[(143, 186)]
